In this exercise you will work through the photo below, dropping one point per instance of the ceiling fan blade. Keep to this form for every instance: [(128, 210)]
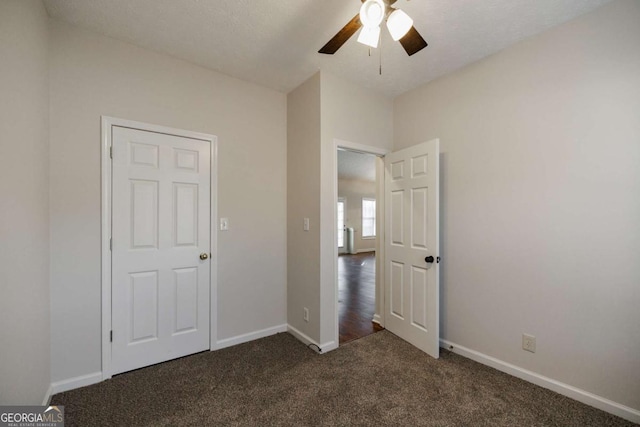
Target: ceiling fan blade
[(413, 42), (343, 35)]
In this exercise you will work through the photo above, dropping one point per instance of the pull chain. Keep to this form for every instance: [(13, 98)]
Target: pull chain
[(380, 54)]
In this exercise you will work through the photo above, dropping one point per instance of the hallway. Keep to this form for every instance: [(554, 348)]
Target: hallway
[(356, 295)]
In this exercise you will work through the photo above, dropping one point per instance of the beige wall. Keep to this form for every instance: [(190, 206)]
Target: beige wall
[(540, 206), (303, 201), (92, 75), (353, 191), (24, 203), (539, 200)]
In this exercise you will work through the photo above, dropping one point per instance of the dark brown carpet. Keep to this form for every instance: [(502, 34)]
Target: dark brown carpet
[(377, 380)]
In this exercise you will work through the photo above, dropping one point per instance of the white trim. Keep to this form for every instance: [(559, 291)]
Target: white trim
[(575, 393), (334, 259), (105, 256), (76, 382), (213, 265), (47, 396), (240, 339), (380, 253), (306, 340), (377, 319), (328, 346), (360, 251), (360, 148), (106, 179)]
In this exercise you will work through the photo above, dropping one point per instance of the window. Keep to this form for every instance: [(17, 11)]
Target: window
[(341, 223), (368, 218)]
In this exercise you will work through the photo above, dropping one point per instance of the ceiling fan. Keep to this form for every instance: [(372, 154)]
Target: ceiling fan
[(372, 13)]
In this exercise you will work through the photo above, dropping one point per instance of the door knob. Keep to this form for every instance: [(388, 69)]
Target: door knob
[(204, 256), (429, 259)]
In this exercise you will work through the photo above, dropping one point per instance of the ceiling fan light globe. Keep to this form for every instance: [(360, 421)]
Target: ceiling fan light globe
[(369, 36), (372, 13), (399, 23)]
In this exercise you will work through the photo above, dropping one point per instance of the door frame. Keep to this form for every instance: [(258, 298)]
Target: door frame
[(106, 232), (338, 145)]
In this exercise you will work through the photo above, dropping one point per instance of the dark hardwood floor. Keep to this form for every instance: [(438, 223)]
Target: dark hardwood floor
[(356, 295)]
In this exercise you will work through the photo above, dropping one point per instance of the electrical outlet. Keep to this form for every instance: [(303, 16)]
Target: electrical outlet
[(305, 314), (529, 343)]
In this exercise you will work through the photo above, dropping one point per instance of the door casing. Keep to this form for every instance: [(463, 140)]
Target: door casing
[(380, 153), (106, 232)]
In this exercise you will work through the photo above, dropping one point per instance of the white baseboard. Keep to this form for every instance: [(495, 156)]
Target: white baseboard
[(240, 339), (360, 251), (377, 319), (575, 393), (303, 337), (328, 346), (96, 377), (77, 382), (47, 396), (325, 347)]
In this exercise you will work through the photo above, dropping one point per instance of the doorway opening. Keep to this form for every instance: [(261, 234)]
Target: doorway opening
[(356, 240)]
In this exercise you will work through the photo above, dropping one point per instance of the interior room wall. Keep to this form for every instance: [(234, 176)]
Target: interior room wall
[(540, 206), (93, 75), (354, 190), (303, 201), (323, 109), (24, 203), (357, 115)]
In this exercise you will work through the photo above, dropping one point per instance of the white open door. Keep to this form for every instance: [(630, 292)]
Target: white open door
[(411, 245), (161, 247)]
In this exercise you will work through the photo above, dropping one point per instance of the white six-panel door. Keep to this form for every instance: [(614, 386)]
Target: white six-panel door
[(160, 230), (411, 235)]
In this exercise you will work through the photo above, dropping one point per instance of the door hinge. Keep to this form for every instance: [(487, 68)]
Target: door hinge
[(110, 336), (111, 152), (110, 244)]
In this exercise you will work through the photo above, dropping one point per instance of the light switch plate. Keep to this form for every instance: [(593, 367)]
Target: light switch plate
[(224, 224), (306, 224)]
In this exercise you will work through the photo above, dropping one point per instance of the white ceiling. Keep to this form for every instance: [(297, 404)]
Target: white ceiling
[(352, 165), (275, 42)]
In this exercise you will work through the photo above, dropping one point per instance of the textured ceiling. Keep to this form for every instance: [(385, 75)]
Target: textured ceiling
[(352, 165), (275, 42)]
